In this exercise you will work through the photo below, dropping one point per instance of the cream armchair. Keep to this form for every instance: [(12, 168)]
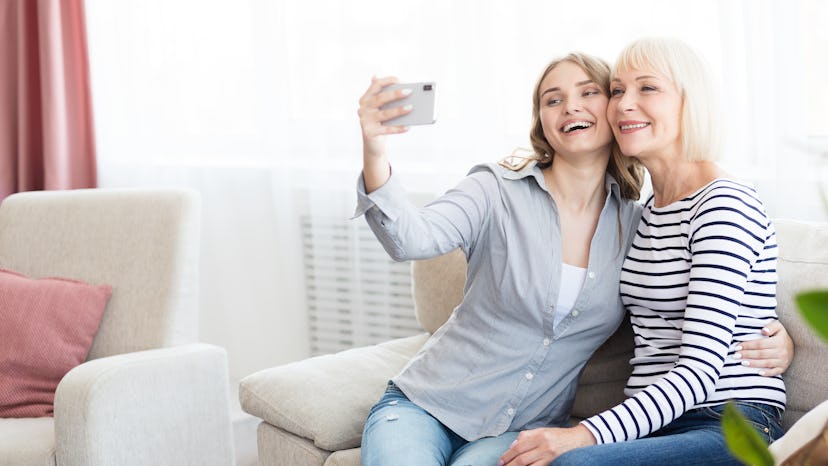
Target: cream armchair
[(148, 394), (313, 411)]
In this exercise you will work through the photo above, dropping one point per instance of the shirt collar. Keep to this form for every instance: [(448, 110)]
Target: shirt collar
[(532, 170)]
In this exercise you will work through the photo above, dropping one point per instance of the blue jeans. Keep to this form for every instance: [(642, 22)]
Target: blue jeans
[(694, 438), (401, 433)]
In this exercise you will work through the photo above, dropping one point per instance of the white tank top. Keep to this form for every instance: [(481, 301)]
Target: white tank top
[(572, 279)]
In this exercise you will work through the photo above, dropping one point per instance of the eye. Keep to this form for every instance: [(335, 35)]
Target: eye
[(592, 92), (552, 102), (646, 88), (616, 91)]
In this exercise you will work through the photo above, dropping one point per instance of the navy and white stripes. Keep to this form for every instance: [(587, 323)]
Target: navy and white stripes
[(699, 279)]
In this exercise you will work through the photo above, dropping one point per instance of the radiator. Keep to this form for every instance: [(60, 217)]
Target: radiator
[(356, 295)]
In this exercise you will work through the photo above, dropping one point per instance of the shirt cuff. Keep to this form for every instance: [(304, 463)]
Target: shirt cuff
[(601, 435), (387, 198)]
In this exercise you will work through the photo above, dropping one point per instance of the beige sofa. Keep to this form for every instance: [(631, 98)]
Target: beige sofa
[(313, 411)]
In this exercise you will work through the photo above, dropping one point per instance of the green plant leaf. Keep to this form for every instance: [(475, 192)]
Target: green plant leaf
[(743, 441), (813, 305)]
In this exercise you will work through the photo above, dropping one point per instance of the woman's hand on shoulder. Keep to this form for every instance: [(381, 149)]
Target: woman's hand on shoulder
[(773, 354)]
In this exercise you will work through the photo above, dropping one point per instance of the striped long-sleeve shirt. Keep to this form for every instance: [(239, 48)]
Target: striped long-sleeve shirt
[(699, 279)]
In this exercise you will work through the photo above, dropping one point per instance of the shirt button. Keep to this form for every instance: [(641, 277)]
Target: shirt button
[(575, 313), (510, 411), (529, 376), (546, 342), (591, 274)]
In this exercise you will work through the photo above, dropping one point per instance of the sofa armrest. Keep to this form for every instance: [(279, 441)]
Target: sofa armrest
[(326, 399), (163, 406)]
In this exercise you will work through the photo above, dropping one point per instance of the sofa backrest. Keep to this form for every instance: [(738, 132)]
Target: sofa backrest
[(803, 264), (437, 287), (142, 242)]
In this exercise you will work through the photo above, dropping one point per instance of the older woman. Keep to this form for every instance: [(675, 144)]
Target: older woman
[(698, 281)]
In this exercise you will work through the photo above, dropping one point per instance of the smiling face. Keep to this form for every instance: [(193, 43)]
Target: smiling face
[(645, 114), (572, 111)]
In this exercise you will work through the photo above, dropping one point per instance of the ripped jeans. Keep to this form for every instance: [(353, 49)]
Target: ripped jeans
[(401, 433)]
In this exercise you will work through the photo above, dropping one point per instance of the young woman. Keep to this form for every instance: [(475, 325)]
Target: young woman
[(699, 282), (534, 311)]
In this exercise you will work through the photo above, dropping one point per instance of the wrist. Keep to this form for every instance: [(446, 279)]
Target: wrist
[(585, 437), (375, 173)]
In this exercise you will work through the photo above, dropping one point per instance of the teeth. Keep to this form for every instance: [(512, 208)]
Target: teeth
[(637, 125), (577, 124)]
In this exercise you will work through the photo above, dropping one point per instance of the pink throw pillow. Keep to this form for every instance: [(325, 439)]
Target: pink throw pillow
[(46, 328)]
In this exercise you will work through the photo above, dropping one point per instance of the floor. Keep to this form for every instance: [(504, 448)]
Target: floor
[(244, 433)]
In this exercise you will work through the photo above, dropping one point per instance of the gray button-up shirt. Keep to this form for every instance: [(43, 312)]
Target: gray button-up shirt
[(498, 364)]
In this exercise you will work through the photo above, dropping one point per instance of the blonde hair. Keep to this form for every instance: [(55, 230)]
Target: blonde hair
[(627, 171), (701, 125)]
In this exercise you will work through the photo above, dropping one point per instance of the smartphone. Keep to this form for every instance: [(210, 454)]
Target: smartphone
[(422, 100)]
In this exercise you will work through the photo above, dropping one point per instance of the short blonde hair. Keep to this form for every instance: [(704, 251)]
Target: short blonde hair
[(701, 120)]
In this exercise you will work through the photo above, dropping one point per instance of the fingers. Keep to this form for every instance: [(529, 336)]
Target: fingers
[(763, 362), (385, 115), (772, 355), (759, 353), (759, 359), (378, 83), (773, 328), (767, 367), (527, 450), (511, 453), (372, 116), (772, 372), (383, 97), (532, 457), (374, 97), (382, 130), (514, 455)]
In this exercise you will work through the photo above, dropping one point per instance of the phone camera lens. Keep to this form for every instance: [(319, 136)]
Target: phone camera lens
[(427, 87)]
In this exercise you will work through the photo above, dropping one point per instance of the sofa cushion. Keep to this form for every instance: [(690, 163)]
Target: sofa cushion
[(803, 265), (352, 457), (327, 398), (277, 448), (48, 325), (27, 441)]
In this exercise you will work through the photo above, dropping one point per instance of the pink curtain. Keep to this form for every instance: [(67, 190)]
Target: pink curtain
[(46, 131)]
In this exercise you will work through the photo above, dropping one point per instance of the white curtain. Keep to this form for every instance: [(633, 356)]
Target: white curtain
[(771, 53), (253, 103)]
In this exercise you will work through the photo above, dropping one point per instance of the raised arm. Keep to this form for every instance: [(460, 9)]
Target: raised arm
[(406, 232), (375, 166)]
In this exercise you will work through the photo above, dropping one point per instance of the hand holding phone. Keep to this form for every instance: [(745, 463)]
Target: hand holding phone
[(421, 99)]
